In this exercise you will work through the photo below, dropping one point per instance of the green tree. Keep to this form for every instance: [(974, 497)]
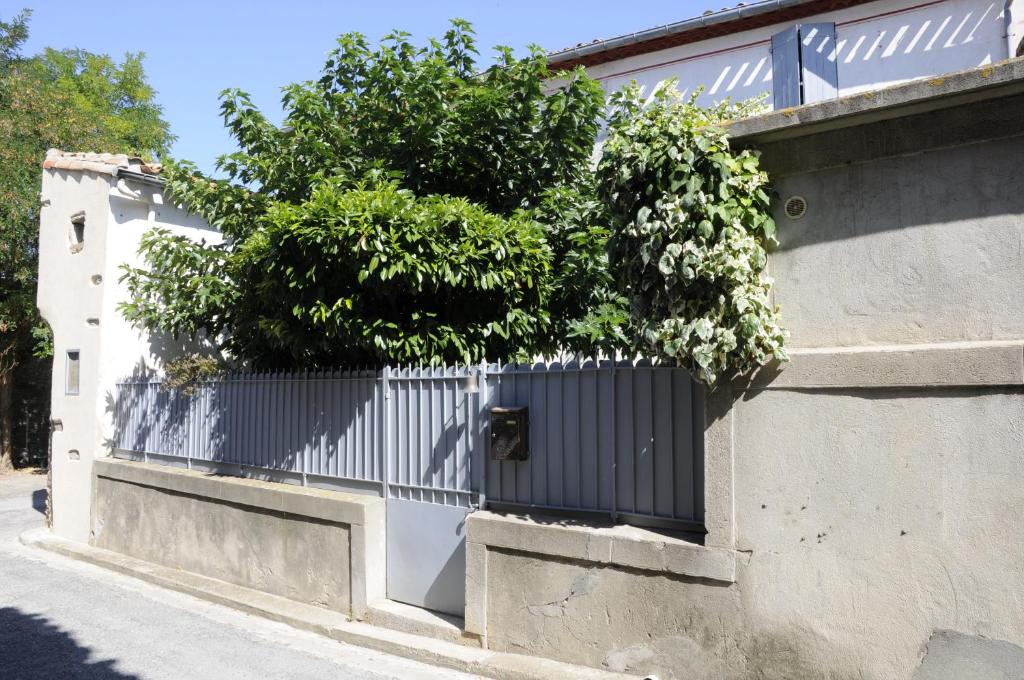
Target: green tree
[(69, 99), (404, 211)]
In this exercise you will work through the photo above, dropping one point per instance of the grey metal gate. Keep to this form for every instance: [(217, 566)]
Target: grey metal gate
[(619, 441), (436, 449)]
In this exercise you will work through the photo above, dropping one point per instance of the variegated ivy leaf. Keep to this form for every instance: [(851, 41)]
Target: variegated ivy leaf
[(689, 233)]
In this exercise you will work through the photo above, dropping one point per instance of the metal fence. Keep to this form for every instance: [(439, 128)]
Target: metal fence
[(623, 439), (620, 439)]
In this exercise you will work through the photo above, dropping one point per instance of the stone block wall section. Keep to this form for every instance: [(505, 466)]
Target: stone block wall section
[(317, 547), (863, 500)]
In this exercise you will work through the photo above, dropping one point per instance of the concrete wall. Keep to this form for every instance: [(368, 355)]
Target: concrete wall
[(316, 547), (877, 44), (79, 290), (68, 296), (907, 249), (870, 491)]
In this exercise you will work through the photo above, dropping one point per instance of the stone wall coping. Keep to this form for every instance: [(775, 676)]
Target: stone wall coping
[(917, 96), (920, 365), (620, 545), (332, 506)]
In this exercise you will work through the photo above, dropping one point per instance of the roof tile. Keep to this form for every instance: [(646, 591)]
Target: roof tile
[(103, 163)]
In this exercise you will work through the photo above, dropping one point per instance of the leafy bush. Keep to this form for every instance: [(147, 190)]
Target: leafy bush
[(406, 210), (690, 221), (371, 275), (587, 315)]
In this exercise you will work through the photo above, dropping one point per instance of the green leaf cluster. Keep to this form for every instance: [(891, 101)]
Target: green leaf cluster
[(691, 223), (408, 209), (67, 99), (587, 315)]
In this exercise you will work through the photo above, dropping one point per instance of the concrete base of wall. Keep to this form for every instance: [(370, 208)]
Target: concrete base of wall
[(316, 547), (615, 597)]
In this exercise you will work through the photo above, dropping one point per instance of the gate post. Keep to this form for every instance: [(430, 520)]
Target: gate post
[(385, 436), (481, 454)]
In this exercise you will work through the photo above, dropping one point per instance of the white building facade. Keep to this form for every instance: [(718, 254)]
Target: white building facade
[(802, 51), (95, 209)]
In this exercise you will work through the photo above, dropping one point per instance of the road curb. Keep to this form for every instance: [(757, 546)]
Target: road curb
[(333, 625)]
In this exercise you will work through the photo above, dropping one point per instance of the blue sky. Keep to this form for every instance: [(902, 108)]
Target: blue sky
[(195, 49)]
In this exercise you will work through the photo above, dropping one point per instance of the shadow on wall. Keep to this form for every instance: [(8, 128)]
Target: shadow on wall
[(955, 656), (868, 54), (324, 423), (33, 648), (964, 184)]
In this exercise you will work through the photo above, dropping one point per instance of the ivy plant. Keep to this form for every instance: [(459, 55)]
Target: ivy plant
[(690, 226)]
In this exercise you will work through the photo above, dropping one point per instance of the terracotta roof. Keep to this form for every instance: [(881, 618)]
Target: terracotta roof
[(104, 163), (742, 17)]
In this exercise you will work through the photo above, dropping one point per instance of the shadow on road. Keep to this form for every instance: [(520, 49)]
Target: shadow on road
[(33, 648), (39, 500)]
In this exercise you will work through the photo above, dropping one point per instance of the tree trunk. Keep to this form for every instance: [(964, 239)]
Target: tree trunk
[(6, 440)]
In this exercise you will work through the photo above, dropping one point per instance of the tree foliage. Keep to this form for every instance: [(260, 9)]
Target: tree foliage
[(69, 99), (351, 276), (691, 222), (408, 209), (588, 316)]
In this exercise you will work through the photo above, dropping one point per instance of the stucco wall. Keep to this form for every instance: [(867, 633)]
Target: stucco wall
[(276, 553), (68, 296), (894, 516), (871, 489), (312, 546), (927, 247), (78, 296), (605, 616)]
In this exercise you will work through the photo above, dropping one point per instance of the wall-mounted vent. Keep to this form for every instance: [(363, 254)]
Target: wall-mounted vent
[(795, 207)]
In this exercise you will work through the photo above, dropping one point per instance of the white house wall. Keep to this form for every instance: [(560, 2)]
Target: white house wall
[(878, 44), (78, 296), (69, 295)]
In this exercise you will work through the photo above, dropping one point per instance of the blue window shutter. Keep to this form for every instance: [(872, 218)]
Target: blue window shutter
[(820, 73), (786, 68)]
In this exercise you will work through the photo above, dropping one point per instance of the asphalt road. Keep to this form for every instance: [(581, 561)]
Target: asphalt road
[(63, 619)]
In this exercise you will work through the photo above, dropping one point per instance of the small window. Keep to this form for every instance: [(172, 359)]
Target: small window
[(77, 234), (72, 372)]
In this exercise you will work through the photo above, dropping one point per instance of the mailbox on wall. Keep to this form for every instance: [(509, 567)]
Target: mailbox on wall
[(510, 433)]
